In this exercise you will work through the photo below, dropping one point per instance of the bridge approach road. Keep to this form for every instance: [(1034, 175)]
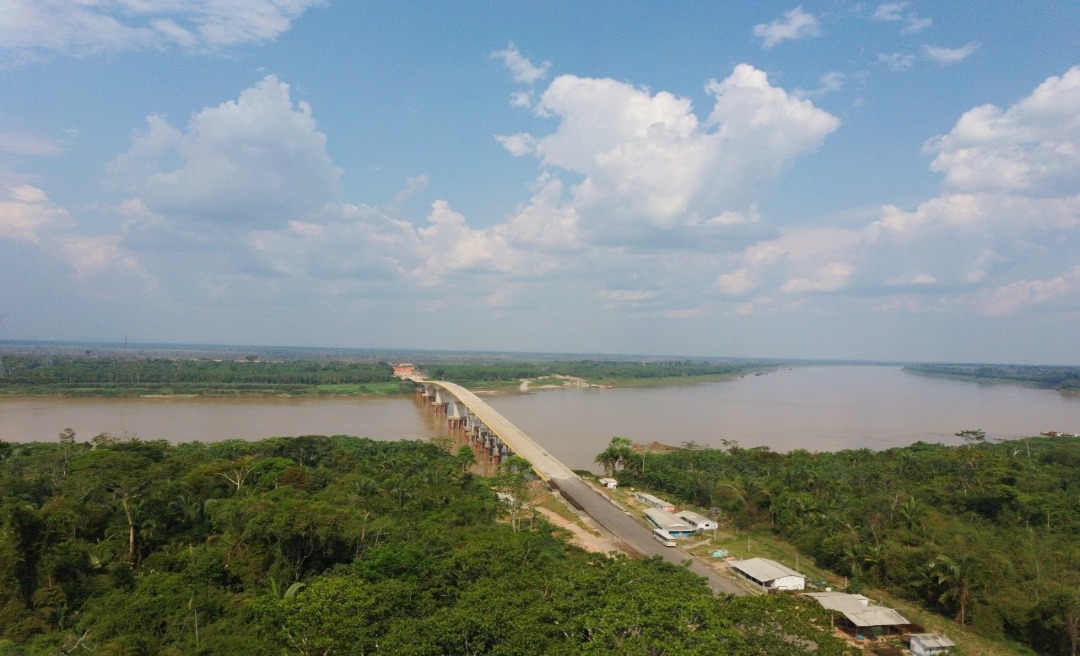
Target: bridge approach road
[(580, 494)]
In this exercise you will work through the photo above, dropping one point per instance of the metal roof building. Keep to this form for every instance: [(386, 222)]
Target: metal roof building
[(669, 523), (697, 520), (655, 502), (769, 574), (858, 611), (929, 644)]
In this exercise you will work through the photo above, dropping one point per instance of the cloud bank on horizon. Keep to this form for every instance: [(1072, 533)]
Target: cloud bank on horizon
[(889, 210)]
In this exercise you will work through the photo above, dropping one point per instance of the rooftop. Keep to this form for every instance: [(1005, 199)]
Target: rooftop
[(763, 569), (857, 609), (933, 640)]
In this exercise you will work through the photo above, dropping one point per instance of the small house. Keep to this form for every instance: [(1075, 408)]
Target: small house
[(609, 483), (669, 523), (769, 574), (860, 616), (698, 521), (930, 644), (655, 502)]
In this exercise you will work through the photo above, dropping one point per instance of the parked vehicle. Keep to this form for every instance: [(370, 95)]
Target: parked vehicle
[(663, 537)]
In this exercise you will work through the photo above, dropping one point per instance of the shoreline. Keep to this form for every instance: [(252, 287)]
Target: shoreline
[(520, 386), (990, 380)]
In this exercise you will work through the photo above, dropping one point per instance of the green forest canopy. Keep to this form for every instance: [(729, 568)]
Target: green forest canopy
[(986, 533), (75, 375), (1050, 377), (329, 545), (89, 376)]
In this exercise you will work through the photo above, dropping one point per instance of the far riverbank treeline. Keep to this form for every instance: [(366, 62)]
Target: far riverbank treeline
[(986, 533), (66, 375), (1066, 379), (597, 372), (36, 375)]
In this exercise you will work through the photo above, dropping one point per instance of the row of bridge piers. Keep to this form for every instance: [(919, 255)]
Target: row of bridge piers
[(460, 419)]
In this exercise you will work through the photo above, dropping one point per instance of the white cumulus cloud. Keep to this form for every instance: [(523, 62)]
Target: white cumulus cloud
[(1010, 207), (756, 261), (1023, 294), (27, 212), (450, 245), (827, 278), (89, 255), (890, 11), (35, 28), (649, 164), (796, 24), (520, 67), (257, 160), (1031, 147), (950, 55), (897, 11)]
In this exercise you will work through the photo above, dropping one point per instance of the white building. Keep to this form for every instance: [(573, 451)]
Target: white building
[(655, 502), (698, 521), (668, 522), (930, 644), (769, 574), (859, 613), (609, 483)]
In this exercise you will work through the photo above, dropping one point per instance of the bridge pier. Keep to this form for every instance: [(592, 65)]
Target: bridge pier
[(445, 401), (427, 394), (455, 416), (439, 402)]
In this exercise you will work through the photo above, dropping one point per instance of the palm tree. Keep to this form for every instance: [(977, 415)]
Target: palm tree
[(912, 511), (618, 452), (955, 579)]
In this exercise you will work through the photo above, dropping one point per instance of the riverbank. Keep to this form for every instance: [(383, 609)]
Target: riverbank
[(562, 382), (49, 374), (1064, 379), (217, 391), (330, 391)]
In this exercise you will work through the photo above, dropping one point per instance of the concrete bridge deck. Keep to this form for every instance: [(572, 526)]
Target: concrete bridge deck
[(580, 494), (546, 466)]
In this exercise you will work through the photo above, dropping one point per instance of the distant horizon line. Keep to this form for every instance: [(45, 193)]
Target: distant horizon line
[(127, 344)]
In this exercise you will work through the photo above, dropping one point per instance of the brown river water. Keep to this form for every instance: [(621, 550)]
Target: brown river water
[(820, 408)]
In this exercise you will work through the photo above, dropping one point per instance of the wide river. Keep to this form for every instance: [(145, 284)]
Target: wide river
[(818, 408)]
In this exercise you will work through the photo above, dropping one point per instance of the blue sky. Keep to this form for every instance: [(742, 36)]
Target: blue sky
[(895, 180)]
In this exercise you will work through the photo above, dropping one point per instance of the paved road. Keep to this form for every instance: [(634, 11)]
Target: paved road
[(623, 526), (634, 534)]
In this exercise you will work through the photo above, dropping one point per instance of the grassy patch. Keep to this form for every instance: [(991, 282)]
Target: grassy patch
[(549, 502)]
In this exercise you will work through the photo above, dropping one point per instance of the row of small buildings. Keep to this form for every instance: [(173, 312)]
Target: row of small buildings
[(676, 523), (860, 617)]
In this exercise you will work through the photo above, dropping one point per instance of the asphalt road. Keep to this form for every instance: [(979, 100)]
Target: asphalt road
[(634, 534), (624, 527)]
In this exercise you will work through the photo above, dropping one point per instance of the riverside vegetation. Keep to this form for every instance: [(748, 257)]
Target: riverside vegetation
[(331, 545), (68, 375), (38, 375), (985, 533), (597, 372), (1064, 379)]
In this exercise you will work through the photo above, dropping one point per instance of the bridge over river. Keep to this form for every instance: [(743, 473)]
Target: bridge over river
[(466, 411)]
